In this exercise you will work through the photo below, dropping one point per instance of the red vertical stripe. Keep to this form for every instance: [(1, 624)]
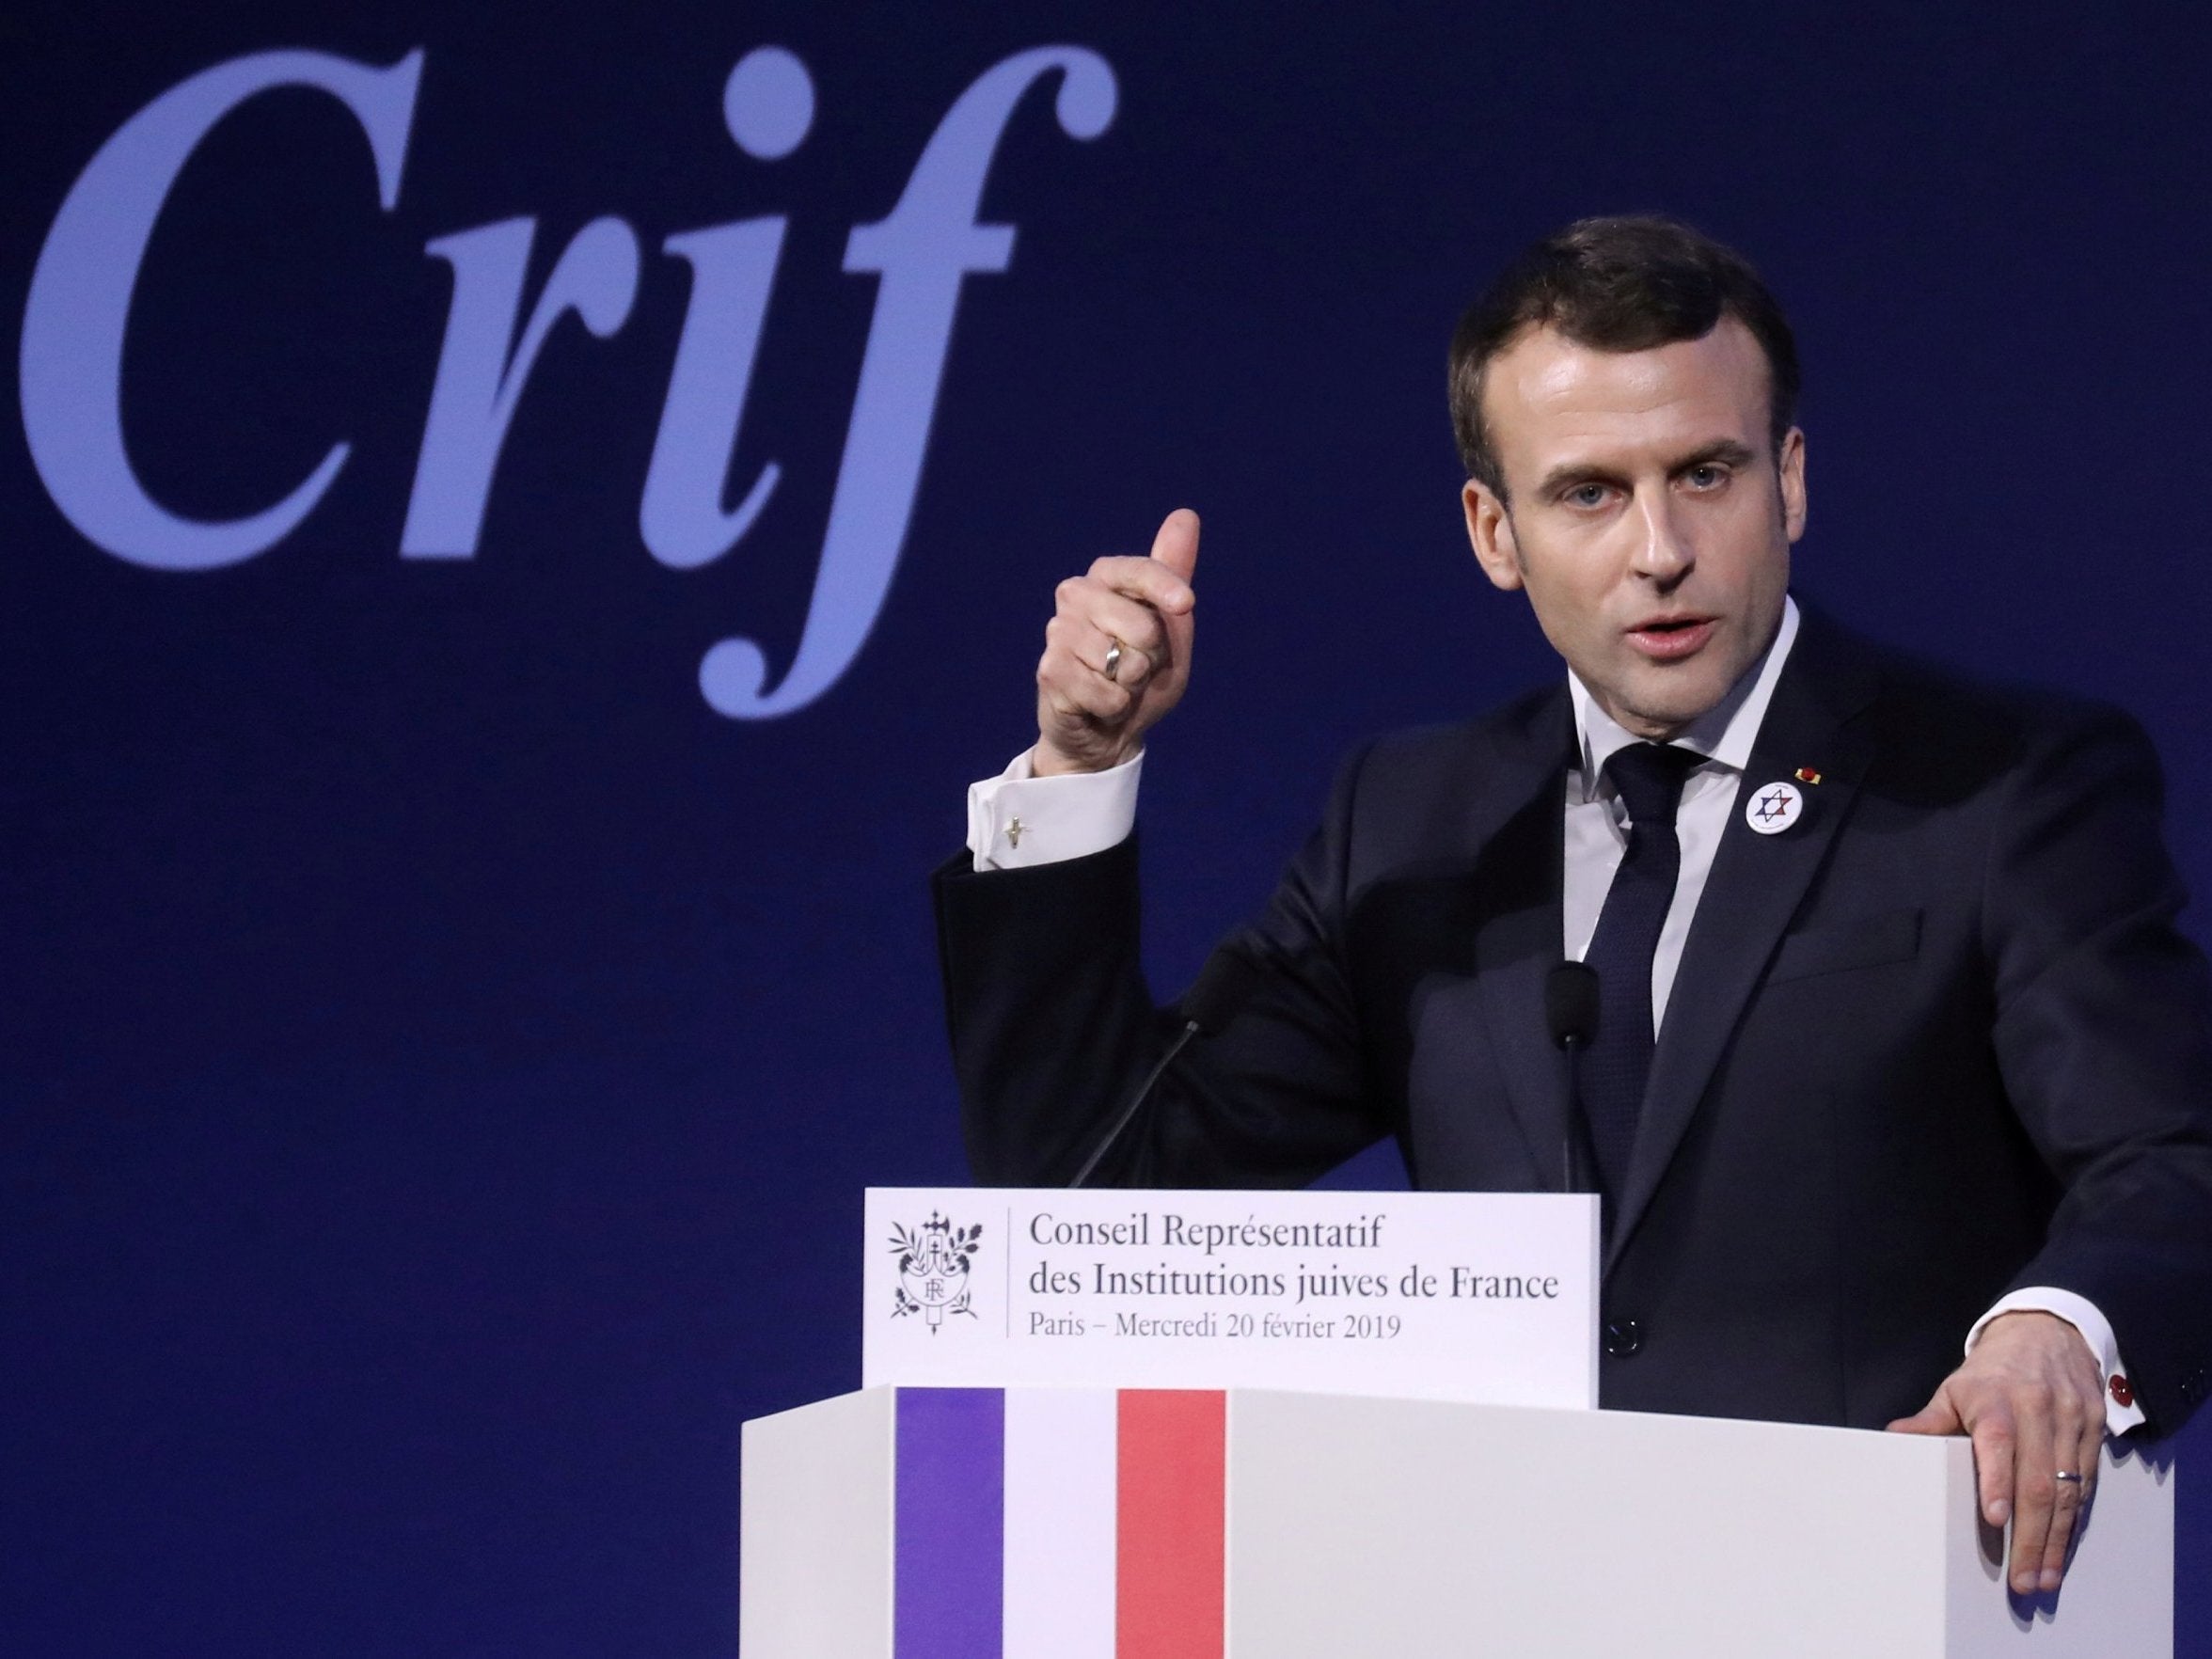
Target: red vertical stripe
[(1169, 1567)]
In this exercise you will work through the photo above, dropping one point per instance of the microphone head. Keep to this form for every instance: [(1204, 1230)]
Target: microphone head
[(1222, 988), (1570, 1004)]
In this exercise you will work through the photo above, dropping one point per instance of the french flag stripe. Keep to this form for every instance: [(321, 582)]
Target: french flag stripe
[(1171, 1456), (949, 1482), (1059, 1527)]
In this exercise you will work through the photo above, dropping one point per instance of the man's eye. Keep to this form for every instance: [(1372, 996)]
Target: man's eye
[(1588, 495), (1707, 477)]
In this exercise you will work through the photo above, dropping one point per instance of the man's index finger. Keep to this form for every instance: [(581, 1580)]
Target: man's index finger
[(1146, 581)]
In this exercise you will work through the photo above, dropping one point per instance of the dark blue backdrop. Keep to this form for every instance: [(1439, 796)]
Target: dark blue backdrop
[(441, 1054)]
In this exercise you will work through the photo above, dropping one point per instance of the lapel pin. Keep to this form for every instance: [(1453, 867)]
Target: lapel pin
[(1807, 775), (1774, 807)]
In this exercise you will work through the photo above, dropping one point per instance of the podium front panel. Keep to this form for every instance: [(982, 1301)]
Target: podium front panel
[(1043, 1524)]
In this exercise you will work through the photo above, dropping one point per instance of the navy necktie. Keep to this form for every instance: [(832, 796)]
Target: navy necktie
[(1649, 779)]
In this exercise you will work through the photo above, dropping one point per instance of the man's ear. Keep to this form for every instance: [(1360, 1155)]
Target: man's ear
[(1490, 531), (1791, 463)]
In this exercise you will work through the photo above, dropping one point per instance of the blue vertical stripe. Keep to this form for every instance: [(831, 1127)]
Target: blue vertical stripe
[(947, 1590)]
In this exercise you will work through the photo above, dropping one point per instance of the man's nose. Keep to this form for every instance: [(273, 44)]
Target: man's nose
[(1663, 552)]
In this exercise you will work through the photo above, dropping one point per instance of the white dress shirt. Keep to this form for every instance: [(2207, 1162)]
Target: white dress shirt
[(1597, 818), (1018, 819)]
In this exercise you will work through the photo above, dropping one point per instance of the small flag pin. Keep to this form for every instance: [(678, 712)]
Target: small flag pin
[(1807, 775)]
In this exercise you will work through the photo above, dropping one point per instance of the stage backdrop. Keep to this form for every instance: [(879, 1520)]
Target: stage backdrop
[(517, 525)]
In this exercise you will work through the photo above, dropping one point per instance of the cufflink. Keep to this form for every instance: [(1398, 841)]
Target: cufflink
[(2122, 1390)]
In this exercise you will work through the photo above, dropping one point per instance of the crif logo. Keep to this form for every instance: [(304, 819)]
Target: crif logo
[(79, 308), (932, 1267)]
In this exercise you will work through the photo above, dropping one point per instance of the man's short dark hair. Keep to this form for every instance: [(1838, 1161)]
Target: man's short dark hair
[(1623, 284)]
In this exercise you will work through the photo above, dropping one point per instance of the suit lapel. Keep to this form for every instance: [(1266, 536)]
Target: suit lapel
[(1517, 940), (1756, 885)]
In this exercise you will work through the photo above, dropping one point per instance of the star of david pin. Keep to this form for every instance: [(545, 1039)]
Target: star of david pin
[(1774, 807)]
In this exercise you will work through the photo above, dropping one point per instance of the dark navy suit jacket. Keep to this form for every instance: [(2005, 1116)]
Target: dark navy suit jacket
[(1940, 1041)]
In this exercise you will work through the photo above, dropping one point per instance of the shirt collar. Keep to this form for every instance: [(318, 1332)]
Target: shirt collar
[(1723, 734)]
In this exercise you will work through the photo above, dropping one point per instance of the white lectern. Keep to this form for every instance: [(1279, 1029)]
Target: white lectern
[(1081, 1524)]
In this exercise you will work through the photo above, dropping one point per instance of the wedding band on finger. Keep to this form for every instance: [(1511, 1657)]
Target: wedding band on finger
[(1113, 657), (2069, 1475)]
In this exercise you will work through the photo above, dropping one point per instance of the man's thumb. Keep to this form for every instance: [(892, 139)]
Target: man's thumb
[(1176, 545), (1936, 1417)]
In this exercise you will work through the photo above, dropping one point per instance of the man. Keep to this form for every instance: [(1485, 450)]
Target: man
[(1898, 1050)]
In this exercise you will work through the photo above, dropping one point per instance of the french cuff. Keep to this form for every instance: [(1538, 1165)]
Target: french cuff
[(2122, 1412), (1017, 819)]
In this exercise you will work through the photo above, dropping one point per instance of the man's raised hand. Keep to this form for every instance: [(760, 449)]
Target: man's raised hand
[(1089, 718)]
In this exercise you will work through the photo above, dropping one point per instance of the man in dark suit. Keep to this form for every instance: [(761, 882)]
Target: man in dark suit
[(1898, 1048)]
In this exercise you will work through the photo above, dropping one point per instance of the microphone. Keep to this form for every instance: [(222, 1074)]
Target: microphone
[(1217, 995), (1570, 1009), (1570, 1004)]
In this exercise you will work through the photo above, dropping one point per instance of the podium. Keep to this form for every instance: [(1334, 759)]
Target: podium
[(1095, 1523)]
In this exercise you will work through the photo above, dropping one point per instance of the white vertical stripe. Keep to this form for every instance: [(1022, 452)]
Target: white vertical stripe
[(1060, 1523)]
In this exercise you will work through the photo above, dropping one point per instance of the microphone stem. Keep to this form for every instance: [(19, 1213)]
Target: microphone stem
[(1569, 1171), (1144, 1092)]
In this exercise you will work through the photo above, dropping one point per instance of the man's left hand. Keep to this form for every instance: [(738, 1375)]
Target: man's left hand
[(2031, 1396)]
